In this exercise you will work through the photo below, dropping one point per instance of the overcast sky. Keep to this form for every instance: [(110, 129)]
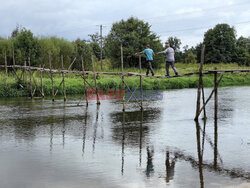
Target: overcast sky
[(70, 19)]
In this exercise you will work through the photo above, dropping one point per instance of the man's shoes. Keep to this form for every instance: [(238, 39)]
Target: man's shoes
[(176, 74), (167, 75), (153, 74)]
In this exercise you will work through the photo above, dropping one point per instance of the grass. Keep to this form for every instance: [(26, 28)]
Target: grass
[(74, 84)]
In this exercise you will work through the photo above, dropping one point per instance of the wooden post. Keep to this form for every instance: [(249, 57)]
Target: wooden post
[(215, 117), (63, 77), (97, 96), (141, 82), (14, 62), (26, 79), (31, 90), (200, 84), (85, 88), (51, 77), (123, 86), (41, 78), (5, 62)]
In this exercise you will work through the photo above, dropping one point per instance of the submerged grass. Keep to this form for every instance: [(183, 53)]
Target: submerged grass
[(74, 84)]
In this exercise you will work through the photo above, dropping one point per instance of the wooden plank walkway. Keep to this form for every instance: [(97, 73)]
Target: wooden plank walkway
[(55, 71)]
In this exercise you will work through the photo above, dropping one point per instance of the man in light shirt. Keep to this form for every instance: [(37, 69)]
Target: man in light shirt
[(170, 60), (149, 58)]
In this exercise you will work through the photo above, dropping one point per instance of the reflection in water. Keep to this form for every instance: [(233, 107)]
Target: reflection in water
[(84, 130), (95, 127), (200, 156), (123, 141), (150, 167), (170, 167)]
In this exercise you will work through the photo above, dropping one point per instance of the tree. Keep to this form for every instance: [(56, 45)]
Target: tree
[(27, 45), (83, 50), (243, 51), (133, 34), (174, 42), (220, 44), (190, 58)]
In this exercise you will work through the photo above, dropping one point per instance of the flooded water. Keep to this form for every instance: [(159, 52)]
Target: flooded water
[(62, 145)]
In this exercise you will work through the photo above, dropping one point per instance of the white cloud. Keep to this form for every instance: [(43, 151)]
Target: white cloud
[(78, 18)]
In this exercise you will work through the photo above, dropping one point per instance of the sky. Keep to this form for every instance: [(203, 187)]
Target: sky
[(72, 19)]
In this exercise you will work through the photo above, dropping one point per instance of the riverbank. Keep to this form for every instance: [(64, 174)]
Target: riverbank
[(74, 84)]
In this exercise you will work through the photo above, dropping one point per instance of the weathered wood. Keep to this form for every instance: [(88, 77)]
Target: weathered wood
[(85, 88), (31, 90), (51, 77), (54, 71), (41, 80), (141, 83), (215, 117), (72, 63), (123, 86), (97, 96), (63, 77), (202, 108), (199, 85), (26, 79), (6, 65), (14, 62)]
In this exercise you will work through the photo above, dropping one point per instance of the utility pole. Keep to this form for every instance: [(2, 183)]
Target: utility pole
[(101, 44)]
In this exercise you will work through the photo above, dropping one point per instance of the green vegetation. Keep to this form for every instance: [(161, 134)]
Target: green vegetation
[(74, 84)]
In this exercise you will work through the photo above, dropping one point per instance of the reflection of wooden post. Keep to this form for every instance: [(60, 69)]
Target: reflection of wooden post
[(141, 82), (85, 88), (31, 90), (123, 86), (51, 77), (215, 117), (141, 122), (63, 77), (123, 141), (97, 96), (41, 78), (200, 158), (200, 85)]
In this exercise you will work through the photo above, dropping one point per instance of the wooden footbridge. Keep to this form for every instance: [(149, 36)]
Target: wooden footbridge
[(28, 78)]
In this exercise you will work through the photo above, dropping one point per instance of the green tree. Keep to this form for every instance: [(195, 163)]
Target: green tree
[(220, 44), (174, 42), (190, 58), (83, 50), (243, 51), (134, 35), (27, 45)]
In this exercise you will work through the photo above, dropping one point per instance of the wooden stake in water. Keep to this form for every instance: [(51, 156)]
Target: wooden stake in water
[(215, 117), (31, 90), (97, 96), (41, 79), (123, 86), (85, 88), (63, 77), (14, 62), (200, 85), (51, 77), (141, 83)]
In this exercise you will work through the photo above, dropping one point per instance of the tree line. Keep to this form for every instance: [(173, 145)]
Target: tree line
[(222, 46)]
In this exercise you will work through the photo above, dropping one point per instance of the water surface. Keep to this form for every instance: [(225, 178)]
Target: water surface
[(57, 144)]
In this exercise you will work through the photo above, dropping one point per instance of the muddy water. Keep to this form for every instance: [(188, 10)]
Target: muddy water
[(46, 144)]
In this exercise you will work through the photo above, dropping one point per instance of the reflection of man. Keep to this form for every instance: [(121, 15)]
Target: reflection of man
[(170, 167), (150, 166)]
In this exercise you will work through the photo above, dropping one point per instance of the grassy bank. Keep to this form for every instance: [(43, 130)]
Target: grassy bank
[(74, 84)]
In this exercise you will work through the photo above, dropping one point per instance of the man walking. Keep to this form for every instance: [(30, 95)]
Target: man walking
[(149, 58), (170, 60)]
